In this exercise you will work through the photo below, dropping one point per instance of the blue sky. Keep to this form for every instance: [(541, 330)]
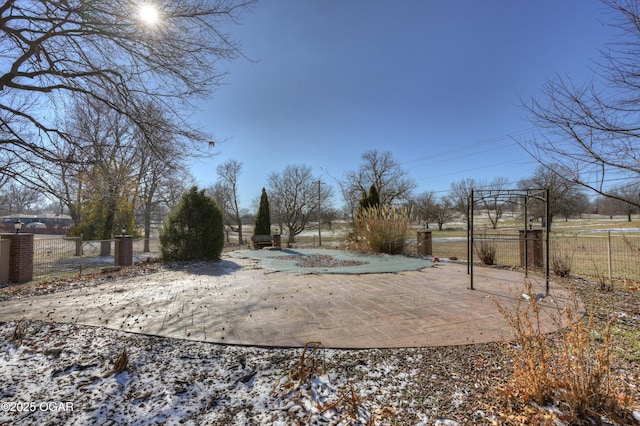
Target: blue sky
[(437, 83)]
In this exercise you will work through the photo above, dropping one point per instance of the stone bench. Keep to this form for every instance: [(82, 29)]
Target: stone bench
[(261, 241)]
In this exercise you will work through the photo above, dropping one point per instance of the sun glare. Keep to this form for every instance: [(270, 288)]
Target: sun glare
[(148, 14)]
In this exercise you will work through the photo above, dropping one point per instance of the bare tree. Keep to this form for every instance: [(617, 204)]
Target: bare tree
[(613, 206), (493, 200), (628, 192), (565, 197), (16, 198), (294, 198), (329, 214), (225, 192), (56, 51), (384, 172), (461, 195), (106, 178), (591, 129), (154, 167), (443, 212), (352, 195), (175, 187), (422, 206)]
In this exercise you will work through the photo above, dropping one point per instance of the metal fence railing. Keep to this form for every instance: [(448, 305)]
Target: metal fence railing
[(589, 254), (71, 256), (600, 254)]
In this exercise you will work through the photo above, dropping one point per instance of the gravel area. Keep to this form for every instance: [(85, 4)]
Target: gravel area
[(320, 261)]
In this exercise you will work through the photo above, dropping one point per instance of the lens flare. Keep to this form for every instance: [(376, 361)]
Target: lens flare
[(148, 14)]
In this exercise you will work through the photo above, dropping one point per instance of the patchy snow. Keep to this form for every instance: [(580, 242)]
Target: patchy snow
[(54, 373)]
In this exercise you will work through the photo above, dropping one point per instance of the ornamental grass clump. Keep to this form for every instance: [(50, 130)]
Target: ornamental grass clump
[(381, 229), (486, 251), (561, 263), (572, 370)]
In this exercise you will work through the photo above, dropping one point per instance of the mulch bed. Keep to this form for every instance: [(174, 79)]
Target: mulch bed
[(320, 261)]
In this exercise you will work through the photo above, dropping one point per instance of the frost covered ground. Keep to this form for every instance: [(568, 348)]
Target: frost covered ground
[(78, 375)]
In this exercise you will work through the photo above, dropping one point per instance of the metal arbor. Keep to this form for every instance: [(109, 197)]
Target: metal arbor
[(521, 197)]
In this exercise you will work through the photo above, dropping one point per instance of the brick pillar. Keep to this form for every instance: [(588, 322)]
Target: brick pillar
[(5, 246), (425, 243), (277, 240), (124, 251), (533, 247), (20, 257)]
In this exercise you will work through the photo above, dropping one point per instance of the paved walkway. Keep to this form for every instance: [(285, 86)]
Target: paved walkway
[(234, 301)]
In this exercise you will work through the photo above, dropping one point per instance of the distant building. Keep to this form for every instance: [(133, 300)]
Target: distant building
[(45, 223)]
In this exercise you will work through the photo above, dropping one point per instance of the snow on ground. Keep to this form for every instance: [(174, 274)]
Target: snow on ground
[(77, 375)]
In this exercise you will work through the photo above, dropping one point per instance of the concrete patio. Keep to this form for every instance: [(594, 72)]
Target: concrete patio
[(235, 301)]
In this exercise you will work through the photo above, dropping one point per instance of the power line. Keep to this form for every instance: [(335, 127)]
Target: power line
[(503, 138)]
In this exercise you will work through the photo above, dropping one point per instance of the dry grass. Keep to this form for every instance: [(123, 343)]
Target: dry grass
[(381, 229), (310, 365), (571, 370), (301, 384), (561, 263), (349, 406), (121, 364), (20, 332), (486, 251)]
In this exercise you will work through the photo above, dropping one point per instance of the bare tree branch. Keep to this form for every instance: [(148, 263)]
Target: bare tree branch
[(53, 52), (592, 130), (384, 172)]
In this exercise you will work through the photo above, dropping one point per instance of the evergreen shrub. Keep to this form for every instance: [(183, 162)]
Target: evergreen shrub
[(194, 229), (263, 218)]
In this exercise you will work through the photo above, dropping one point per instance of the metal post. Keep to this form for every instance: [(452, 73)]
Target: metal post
[(526, 235), (470, 240), (319, 216), (609, 253), (548, 237)]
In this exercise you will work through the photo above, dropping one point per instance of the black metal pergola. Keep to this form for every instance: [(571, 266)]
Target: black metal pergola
[(519, 196)]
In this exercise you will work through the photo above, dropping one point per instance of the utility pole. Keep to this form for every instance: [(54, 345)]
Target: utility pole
[(319, 216)]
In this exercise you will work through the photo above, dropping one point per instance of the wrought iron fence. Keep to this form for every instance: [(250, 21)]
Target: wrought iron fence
[(590, 254), (71, 256)]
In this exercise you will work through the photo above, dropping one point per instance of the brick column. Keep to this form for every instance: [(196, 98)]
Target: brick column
[(20, 257), (5, 247), (533, 247), (124, 251), (425, 243)]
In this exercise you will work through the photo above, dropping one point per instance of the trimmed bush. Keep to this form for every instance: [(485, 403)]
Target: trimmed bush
[(194, 229)]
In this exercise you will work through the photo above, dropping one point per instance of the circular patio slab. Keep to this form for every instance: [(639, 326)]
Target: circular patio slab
[(237, 301)]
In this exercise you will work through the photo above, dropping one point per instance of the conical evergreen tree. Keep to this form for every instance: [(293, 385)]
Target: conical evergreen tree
[(263, 219), (371, 200)]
